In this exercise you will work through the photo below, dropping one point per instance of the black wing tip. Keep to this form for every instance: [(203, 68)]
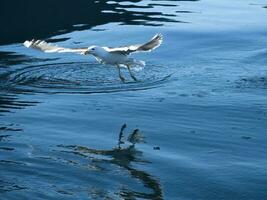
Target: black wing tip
[(158, 37), (30, 43)]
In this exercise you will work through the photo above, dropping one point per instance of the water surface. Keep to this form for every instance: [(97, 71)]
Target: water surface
[(193, 126)]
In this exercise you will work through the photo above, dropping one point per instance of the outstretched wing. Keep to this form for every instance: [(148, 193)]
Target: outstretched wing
[(50, 48), (149, 46)]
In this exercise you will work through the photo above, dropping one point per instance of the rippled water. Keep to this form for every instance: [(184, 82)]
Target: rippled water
[(192, 127), (81, 77)]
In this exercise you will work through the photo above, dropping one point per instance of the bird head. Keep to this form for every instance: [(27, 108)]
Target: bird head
[(94, 50)]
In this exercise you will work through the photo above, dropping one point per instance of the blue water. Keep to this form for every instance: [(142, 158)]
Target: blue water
[(192, 128)]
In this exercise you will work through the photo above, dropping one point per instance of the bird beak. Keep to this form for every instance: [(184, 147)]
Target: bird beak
[(85, 53)]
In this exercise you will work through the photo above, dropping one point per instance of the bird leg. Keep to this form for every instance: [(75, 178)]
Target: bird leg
[(131, 73), (120, 75)]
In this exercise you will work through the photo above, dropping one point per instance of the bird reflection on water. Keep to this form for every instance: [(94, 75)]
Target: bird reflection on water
[(124, 155)]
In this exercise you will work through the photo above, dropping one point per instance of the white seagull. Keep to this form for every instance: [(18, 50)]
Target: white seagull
[(106, 55)]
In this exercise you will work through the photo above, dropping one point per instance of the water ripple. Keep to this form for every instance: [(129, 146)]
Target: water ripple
[(83, 78), (256, 82)]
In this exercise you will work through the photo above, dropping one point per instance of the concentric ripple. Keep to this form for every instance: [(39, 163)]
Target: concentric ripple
[(84, 78)]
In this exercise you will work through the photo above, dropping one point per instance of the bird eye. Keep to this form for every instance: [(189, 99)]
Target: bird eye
[(93, 49)]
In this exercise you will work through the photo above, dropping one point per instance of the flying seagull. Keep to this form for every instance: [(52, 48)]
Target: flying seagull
[(117, 56)]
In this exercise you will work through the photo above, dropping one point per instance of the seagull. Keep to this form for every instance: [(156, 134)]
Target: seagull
[(117, 56)]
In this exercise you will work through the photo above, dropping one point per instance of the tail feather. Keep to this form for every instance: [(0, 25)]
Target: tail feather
[(140, 63)]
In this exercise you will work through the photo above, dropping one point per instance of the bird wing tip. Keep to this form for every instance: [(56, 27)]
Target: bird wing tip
[(160, 37), (27, 43)]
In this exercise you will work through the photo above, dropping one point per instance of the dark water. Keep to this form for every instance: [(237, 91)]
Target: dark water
[(192, 128)]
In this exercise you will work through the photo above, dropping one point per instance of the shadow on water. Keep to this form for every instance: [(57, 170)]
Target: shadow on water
[(125, 155), (25, 19)]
